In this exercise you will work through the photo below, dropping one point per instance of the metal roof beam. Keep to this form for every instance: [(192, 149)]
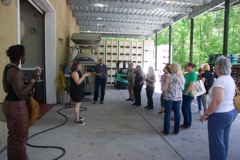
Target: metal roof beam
[(124, 36), (178, 18), (133, 5), (195, 2), (117, 24), (121, 16), (116, 30), (214, 3)]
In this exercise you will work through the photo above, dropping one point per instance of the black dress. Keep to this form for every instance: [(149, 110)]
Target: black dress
[(76, 91)]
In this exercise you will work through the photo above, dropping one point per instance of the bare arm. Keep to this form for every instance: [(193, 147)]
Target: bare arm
[(153, 80), (203, 79), (66, 75), (166, 84), (190, 87), (76, 78), (218, 97)]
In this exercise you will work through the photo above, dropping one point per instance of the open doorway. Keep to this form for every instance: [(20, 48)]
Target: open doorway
[(32, 37)]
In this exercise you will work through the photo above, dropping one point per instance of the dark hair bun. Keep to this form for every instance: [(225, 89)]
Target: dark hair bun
[(190, 64), (15, 52)]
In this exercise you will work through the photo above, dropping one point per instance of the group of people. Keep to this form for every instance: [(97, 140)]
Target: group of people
[(219, 110), (176, 94), (136, 79)]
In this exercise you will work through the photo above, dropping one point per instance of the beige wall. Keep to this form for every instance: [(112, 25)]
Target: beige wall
[(65, 26), (8, 37)]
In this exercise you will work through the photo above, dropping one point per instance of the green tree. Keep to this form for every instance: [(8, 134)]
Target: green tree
[(208, 36)]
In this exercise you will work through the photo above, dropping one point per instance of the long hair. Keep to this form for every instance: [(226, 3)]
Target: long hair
[(167, 67), (75, 65), (176, 69), (151, 70)]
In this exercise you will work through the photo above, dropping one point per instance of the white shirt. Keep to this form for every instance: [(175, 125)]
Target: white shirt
[(227, 83)]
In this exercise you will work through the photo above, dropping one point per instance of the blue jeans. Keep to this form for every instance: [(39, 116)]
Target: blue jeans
[(98, 82), (169, 106), (219, 125), (186, 110), (200, 102)]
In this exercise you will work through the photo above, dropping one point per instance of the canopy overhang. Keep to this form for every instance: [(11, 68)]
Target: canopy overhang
[(137, 18)]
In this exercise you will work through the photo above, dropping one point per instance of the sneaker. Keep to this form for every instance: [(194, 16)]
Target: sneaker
[(79, 122), (94, 102), (101, 102), (81, 118), (146, 107)]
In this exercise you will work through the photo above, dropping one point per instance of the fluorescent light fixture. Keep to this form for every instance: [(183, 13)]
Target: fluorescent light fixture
[(100, 5), (99, 18), (88, 31)]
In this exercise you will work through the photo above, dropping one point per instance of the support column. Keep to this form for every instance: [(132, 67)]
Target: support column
[(170, 44), (156, 37), (191, 40), (226, 23)]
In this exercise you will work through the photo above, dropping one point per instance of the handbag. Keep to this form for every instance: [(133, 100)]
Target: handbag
[(2, 116), (33, 110), (198, 89), (236, 100)]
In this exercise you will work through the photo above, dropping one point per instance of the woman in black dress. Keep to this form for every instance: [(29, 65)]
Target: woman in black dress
[(77, 86)]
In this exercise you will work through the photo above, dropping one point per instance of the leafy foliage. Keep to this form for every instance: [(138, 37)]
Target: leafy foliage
[(208, 36)]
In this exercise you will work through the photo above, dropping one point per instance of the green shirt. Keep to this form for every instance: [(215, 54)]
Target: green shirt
[(189, 77)]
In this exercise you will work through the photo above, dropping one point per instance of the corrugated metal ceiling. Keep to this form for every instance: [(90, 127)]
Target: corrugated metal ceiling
[(136, 18)]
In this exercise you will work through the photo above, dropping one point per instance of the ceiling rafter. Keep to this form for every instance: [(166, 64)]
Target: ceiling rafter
[(122, 16), (118, 30), (138, 18), (115, 24), (133, 5), (135, 36), (124, 36), (128, 21), (195, 2)]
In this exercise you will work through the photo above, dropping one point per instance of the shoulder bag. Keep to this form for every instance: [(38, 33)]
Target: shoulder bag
[(236, 100), (33, 112), (198, 89)]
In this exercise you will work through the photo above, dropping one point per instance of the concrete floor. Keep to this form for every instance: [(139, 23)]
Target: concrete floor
[(117, 130)]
